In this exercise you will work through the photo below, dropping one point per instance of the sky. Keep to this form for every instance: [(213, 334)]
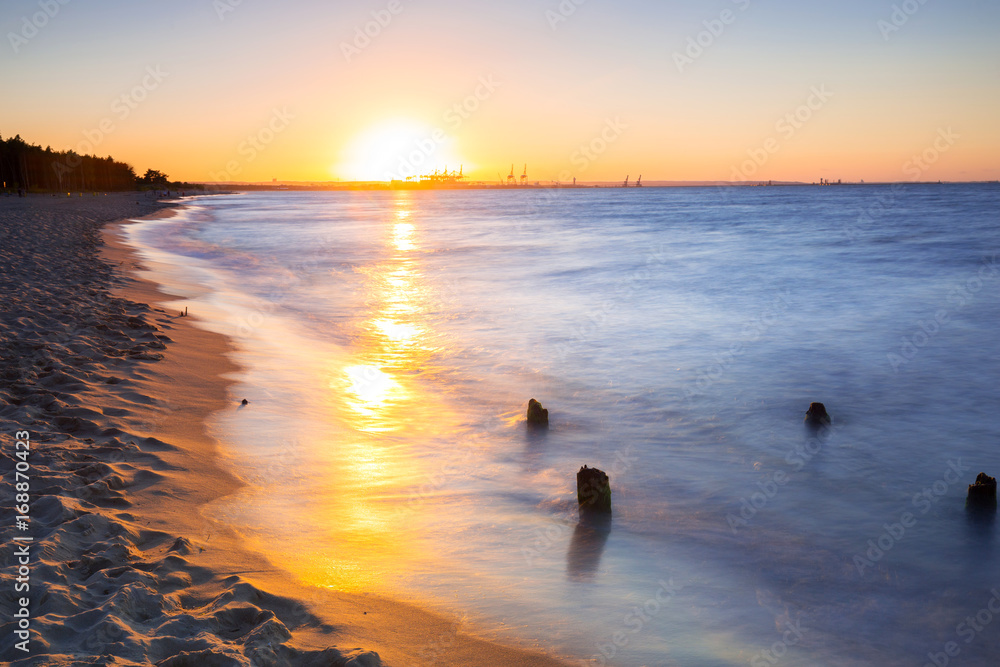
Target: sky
[(311, 90)]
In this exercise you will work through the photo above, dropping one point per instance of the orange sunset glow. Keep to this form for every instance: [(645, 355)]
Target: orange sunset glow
[(319, 92), (534, 333)]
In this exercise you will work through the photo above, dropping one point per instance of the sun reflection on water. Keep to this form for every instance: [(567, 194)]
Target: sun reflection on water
[(381, 419), (402, 235), (376, 396), (402, 333), (378, 384), (371, 389)]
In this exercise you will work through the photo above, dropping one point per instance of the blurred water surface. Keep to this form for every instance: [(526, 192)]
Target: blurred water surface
[(390, 342)]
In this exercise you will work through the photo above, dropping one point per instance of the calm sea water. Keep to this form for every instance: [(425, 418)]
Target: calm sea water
[(391, 340)]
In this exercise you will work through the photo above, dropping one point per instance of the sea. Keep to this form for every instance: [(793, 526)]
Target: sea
[(389, 342)]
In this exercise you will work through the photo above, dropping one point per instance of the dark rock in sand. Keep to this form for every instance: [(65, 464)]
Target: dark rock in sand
[(245, 402), (593, 490), (983, 494), (816, 415), (537, 415)]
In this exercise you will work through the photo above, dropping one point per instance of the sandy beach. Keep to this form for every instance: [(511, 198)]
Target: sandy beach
[(112, 390)]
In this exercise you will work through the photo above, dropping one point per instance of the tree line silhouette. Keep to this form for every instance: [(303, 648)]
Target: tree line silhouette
[(36, 169)]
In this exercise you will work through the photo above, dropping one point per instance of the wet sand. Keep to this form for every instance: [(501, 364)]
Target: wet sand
[(126, 567)]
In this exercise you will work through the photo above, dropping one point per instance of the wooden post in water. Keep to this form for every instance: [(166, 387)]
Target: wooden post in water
[(593, 490), (537, 415), (816, 416), (983, 494)]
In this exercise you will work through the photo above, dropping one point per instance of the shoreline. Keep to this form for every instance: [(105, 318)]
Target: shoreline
[(383, 186), (400, 633)]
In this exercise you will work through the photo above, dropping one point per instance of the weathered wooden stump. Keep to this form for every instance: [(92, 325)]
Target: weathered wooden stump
[(537, 415), (593, 490), (982, 494), (816, 415)]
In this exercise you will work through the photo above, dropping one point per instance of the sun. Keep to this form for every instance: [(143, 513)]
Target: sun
[(397, 149)]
